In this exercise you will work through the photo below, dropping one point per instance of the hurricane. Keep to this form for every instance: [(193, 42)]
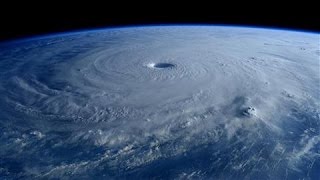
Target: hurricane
[(161, 102)]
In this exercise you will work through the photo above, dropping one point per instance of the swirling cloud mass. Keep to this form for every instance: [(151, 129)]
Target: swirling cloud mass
[(177, 102)]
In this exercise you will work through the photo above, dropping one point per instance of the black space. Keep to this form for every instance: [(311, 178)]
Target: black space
[(50, 18)]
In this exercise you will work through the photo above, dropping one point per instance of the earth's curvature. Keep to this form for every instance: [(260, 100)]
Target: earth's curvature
[(161, 102)]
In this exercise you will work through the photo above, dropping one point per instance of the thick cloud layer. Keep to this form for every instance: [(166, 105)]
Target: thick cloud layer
[(161, 102)]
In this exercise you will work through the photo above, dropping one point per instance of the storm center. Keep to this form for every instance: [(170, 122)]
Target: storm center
[(161, 65)]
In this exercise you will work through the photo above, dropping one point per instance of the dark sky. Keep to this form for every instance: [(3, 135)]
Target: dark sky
[(20, 21)]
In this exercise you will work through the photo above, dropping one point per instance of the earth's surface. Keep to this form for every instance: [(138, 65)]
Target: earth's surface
[(162, 102)]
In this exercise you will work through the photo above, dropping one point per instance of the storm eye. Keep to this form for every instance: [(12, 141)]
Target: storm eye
[(161, 65)]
